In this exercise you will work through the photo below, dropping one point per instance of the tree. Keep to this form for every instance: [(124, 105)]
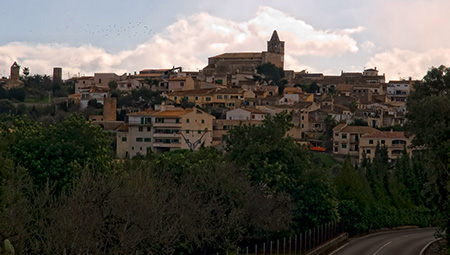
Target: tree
[(57, 154), (428, 119), (270, 74), (272, 159), (26, 71)]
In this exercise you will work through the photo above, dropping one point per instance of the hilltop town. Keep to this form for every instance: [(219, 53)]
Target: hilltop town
[(346, 114)]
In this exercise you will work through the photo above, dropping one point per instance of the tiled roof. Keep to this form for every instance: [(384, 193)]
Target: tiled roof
[(142, 113), (329, 79), (172, 113), (197, 92), (358, 129), (385, 134), (178, 79), (248, 55), (230, 91)]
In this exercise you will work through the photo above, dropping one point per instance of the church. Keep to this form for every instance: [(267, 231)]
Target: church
[(234, 69)]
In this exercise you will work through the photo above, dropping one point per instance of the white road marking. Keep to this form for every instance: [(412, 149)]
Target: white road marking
[(382, 248)]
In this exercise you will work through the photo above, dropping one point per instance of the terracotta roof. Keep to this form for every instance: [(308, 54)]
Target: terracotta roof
[(197, 92), (143, 113), (172, 113), (239, 55), (292, 90), (385, 134), (329, 79), (344, 87), (253, 110), (230, 91), (358, 129), (178, 79), (339, 127)]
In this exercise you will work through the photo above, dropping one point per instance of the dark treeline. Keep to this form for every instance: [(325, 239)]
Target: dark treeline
[(62, 190)]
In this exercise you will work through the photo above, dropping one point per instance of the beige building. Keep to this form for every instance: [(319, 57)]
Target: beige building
[(165, 130), (181, 83), (394, 141), (346, 138)]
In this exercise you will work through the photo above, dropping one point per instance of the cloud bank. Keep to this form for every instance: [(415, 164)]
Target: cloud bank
[(188, 43)]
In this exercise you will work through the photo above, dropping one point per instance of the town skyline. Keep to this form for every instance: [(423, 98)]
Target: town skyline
[(346, 37)]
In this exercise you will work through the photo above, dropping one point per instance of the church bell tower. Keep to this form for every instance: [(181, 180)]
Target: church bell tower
[(275, 45)]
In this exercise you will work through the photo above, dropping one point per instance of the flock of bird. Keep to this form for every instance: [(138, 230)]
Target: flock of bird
[(132, 29)]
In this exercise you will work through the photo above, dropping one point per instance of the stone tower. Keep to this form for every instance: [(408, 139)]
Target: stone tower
[(15, 69), (275, 51), (109, 108), (57, 75), (275, 45)]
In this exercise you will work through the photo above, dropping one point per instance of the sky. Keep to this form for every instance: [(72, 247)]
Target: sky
[(401, 38)]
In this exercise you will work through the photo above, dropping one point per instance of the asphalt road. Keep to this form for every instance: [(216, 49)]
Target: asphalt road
[(402, 242)]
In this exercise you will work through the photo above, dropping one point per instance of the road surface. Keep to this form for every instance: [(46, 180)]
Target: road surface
[(402, 242)]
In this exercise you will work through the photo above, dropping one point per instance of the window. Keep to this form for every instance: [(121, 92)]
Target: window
[(141, 129), (177, 120), (203, 121), (139, 139), (187, 131), (187, 120), (99, 81), (368, 151), (124, 139), (370, 141), (336, 134), (335, 149), (147, 140), (344, 145), (303, 126), (344, 136), (398, 142), (181, 84), (303, 117), (208, 99), (196, 98), (149, 129), (219, 96), (142, 120), (382, 141), (199, 132), (159, 120), (225, 97), (175, 98)]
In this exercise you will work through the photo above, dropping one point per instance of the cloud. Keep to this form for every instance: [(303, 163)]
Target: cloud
[(399, 63), (188, 43)]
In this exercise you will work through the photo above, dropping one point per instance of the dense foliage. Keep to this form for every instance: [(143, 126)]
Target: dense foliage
[(429, 119)]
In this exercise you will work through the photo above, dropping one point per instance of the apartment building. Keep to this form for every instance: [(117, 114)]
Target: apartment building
[(395, 142), (165, 130), (346, 138)]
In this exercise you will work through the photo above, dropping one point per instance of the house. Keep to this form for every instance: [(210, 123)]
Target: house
[(398, 91), (181, 83), (346, 138), (246, 114), (395, 142), (170, 128)]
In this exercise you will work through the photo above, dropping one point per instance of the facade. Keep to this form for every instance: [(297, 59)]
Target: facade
[(398, 91), (346, 138), (395, 142), (165, 130), (246, 114), (181, 83)]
